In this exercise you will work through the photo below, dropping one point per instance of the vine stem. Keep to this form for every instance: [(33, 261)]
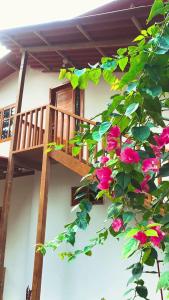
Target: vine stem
[(158, 269)]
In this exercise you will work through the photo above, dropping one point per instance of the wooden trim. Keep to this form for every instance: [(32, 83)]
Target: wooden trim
[(81, 45), (10, 170), (70, 162)]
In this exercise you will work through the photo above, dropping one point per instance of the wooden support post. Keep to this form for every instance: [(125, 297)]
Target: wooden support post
[(41, 227), (9, 176)]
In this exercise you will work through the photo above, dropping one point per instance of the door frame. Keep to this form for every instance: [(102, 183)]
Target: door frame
[(64, 86)]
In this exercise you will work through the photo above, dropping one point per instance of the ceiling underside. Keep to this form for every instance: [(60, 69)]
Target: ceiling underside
[(75, 42)]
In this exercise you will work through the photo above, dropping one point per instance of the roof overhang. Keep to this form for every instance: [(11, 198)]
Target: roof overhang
[(75, 42)]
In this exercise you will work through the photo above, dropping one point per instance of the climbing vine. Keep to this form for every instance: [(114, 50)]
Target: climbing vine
[(132, 167)]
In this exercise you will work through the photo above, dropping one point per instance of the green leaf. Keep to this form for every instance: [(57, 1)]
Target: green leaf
[(157, 8), (96, 135), (94, 75), (151, 232), (142, 291), (150, 258), (123, 180), (139, 38), (82, 220), (62, 74), (114, 209), (130, 247), (165, 219), (146, 255), (108, 76), (137, 270), (131, 108), (152, 104), (121, 51), (74, 81), (164, 171), (166, 257), (123, 63), (128, 217), (76, 150), (104, 127), (141, 133), (163, 281), (132, 232)]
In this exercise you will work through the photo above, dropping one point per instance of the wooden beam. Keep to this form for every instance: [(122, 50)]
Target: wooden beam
[(33, 56), (41, 37), (70, 162), (41, 226), (88, 37), (13, 66), (10, 169), (135, 20), (81, 45)]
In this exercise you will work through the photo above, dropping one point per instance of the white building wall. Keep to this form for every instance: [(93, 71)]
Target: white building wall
[(87, 278)]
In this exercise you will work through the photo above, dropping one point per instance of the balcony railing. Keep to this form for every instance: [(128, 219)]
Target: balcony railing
[(63, 125)]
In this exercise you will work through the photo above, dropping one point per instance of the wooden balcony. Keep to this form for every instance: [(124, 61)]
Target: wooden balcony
[(29, 139)]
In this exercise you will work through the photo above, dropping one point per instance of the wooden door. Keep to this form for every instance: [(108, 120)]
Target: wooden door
[(68, 100)]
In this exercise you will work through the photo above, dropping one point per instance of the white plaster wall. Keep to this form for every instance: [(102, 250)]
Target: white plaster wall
[(87, 278)]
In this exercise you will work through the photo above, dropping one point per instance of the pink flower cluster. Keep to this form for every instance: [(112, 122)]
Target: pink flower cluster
[(117, 224), (161, 141), (104, 176), (113, 139), (129, 156), (155, 240)]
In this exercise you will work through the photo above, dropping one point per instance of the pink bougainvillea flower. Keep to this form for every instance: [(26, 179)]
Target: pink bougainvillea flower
[(104, 159), (112, 145), (118, 151), (103, 185), (117, 224), (156, 240), (104, 176), (114, 132), (128, 141), (150, 164), (159, 140), (156, 150), (144, 187), (141, 237), (165, 135), (104, 173), (129, 156)]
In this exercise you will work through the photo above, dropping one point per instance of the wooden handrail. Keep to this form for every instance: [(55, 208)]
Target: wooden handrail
[(32, 110), (73, 115)]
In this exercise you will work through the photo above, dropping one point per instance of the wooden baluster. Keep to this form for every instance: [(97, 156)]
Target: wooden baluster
[(67, 134), (29, 130), (24, 131), (19, 133), (61, 128), (81, 151), (35, 127), (55, 125), (40, 141)]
